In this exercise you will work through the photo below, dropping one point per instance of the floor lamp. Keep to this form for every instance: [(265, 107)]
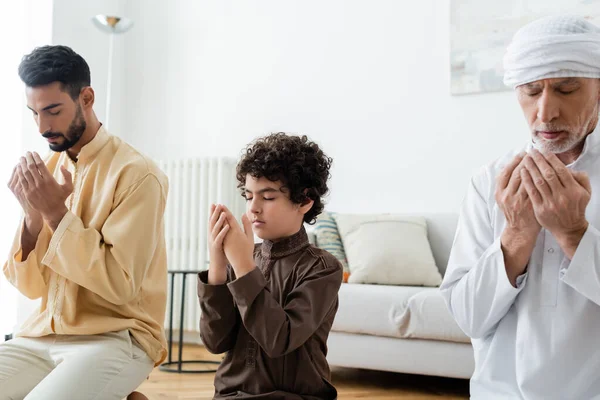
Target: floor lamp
[(112, 25)]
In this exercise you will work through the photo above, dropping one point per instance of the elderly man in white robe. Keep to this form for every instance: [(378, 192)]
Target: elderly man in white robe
[(523, 280)]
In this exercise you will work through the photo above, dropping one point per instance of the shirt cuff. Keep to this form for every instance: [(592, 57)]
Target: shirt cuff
[(578, 269), (18, 254), (245, 289), (504, 283), (57, 236), (18, 257), (521, 279), (207, 290)]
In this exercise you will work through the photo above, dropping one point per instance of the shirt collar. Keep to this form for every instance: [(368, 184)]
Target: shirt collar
[(590, 146), (286, 246), (93, 147)]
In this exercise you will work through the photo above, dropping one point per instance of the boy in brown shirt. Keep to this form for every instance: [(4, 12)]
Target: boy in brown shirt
[(270, 306)]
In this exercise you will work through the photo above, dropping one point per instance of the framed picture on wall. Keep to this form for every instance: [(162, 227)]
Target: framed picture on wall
[(480, 31)]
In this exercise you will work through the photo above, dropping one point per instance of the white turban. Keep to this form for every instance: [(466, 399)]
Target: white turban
[(553, 47)]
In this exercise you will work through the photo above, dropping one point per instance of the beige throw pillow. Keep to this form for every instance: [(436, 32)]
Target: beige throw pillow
[(388, 249)]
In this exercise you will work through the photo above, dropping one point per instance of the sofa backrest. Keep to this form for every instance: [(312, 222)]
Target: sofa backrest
[(441, 228)]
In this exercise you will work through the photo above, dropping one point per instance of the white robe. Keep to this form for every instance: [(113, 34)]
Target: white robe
[(540, 340)]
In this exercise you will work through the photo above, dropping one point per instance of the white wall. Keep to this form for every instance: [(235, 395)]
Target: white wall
[(368, 80), (30, 25), (73, 27), (37, 32)]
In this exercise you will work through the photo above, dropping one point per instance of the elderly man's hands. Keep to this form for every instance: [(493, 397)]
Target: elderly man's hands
[(559, 197), (522, 228)]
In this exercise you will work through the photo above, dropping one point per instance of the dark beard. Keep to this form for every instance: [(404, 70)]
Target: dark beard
[(74, 133)]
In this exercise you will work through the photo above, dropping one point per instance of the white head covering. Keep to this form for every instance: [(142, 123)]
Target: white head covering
[(553, 47)]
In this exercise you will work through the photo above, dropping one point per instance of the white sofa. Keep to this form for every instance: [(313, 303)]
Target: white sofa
[(404, 329)]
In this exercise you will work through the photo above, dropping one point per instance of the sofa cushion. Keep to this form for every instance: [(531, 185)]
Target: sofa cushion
[(368, 309), (328, 238), (426, 316), (388, 249)]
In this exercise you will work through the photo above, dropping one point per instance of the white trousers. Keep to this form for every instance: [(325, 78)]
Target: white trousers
[(64, 367)]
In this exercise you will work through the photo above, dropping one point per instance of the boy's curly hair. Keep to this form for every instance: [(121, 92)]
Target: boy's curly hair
[(299, 164)]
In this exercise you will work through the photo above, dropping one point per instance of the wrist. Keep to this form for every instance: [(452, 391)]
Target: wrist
[(569, 240), (243, 267), (515, 241), (516, 249), (53, 219), (33, 224), (216, 275)]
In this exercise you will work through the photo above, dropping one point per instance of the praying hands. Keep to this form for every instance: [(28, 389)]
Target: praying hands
[(229, 242), (559, 197), (238, 244), (40, 195), (522, 228)]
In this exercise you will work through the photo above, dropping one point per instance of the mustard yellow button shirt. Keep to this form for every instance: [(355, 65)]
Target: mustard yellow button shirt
[(105, 267)]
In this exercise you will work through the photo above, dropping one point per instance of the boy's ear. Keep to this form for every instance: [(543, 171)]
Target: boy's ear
[(306, 204)]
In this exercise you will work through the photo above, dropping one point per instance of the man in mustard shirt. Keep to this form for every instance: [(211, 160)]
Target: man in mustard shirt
[(91, 246)]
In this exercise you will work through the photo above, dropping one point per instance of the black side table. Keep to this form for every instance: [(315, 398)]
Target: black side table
[(168, 365)]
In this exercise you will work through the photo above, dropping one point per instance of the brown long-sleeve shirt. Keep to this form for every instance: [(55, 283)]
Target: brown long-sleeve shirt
[(274, 323)]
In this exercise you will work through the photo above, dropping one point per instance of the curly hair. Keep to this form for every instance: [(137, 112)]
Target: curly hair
[(299, 164), (49, 64)]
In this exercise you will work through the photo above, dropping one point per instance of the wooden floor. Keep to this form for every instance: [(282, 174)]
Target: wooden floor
[(351, 384)]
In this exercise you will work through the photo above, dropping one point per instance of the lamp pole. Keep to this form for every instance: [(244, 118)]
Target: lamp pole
[(111, 25)]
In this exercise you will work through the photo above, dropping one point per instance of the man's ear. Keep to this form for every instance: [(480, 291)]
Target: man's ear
[(87, 97)]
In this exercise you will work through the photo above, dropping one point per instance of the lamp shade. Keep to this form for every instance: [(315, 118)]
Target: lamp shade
[(112, 24)]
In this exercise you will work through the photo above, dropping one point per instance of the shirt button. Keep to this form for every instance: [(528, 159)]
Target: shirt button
[(550, 250)]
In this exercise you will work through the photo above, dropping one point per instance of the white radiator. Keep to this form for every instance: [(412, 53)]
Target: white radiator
[(194, 184)]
